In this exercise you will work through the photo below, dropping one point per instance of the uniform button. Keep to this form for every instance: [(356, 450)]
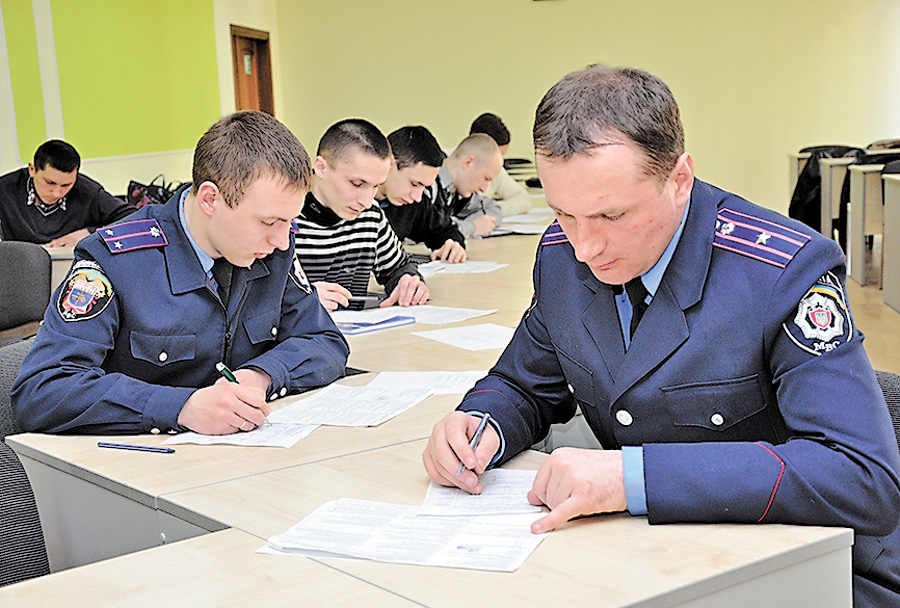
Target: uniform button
[(163, 356), (154, 431), (624, 417), (274, 331), (717, 419), (273, 396), (283, 391), (571, 388)]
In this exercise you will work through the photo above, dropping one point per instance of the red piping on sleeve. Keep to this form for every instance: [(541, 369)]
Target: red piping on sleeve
[(777, 481)]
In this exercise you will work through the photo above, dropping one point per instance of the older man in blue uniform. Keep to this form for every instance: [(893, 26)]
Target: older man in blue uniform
[(132, 337), (707, 341)]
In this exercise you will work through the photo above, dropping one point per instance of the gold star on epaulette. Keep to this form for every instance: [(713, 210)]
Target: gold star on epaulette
[(763, 238), (118, 244), (154, 231), (109, 232)]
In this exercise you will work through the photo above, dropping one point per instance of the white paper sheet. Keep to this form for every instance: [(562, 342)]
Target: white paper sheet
[(437, 266), (430, 315), (504, 491), (471, 337), (442, 383), (339, 405), (396, 534), (268, 435)]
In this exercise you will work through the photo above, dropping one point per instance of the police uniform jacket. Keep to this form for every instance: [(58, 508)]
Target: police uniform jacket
[(746, 382), (137, 326)]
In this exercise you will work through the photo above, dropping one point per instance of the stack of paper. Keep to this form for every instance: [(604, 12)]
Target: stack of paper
[(340, 405), (462, 531)]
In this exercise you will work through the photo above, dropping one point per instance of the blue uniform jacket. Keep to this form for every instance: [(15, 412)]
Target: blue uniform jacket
[(746, 383), (153, 329)]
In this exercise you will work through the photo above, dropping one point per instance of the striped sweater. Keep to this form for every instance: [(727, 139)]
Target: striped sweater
[(347, 252)]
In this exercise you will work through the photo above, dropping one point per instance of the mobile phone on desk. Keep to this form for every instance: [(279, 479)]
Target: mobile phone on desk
[(364, 302)]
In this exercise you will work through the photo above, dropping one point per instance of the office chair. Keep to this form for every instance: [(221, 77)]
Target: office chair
[(890, 386), (806, 200), (25, 270), (21, 536)]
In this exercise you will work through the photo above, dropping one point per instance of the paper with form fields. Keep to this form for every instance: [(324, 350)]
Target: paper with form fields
[(471, 337), (339, 405), (431, 315), (268, 435), (504, 491), (442, 383), (395, 533)]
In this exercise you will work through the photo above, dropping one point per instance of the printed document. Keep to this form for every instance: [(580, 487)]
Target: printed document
[(339, 405), (268, 435), (430, 315), (471, 337), (504, 491), (442, 383)]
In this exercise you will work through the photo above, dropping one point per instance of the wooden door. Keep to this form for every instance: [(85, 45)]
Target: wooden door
[(252, 70)]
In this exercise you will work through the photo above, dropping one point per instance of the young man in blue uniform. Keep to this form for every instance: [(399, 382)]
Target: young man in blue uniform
[(735, 387), (131, 338)]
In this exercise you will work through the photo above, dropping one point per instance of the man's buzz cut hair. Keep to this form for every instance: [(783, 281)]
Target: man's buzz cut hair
[(349, 135)]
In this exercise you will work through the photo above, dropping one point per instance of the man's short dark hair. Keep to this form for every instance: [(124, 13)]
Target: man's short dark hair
[(244, 146), (413, 145), (352, 134), (600, 105), (58, 154), (491, 124)]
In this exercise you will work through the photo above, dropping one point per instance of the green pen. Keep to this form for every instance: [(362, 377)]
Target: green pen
[(229, 375)]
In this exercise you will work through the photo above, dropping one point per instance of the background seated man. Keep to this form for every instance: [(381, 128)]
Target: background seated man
[(460, 184), (131, 338), (50, 203), (707, 341), (512, 197), (416, 160), (343, 236)]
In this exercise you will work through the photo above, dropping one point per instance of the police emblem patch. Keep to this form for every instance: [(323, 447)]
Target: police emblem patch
[(299, 276), (822, 321), (86, 292)]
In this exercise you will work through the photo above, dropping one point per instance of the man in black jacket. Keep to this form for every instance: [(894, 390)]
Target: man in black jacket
[(49, 202), (417, 158)]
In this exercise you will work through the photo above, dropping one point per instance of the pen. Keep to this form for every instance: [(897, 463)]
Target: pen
[(473, 443), (229, 375), (138, 448)]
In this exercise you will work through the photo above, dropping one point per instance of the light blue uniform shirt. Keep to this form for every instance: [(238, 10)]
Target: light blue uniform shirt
[(633, 456), (205, 260)]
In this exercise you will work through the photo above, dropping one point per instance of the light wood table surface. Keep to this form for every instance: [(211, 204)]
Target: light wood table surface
[(141, 500)]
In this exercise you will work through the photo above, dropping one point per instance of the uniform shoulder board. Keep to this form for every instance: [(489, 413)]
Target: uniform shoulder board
[(554, 235), (757, 238), (294, 227), (136, 234)]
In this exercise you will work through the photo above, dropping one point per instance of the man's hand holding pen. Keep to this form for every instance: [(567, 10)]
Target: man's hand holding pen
[(449, 447), (228, 407)]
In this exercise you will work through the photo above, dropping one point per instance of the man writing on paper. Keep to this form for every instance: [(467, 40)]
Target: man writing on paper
[(707, 340), (131, 338), (416, 159)]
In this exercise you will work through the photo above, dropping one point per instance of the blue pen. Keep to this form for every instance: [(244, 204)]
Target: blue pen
[(473, 443), (137, 448), (229, 375)]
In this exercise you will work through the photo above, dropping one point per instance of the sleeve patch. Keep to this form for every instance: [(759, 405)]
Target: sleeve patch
[(757, 238), (298, 276), (136, 234), (554, 235), (822, 321), (86, 293)]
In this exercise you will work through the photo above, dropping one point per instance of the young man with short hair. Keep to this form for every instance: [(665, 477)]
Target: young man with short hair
[(509, 194), (343, 236), (51, 203), (416, 160), (461, 182), (131, 340)]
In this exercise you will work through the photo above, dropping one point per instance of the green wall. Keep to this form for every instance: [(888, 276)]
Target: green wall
[(134, 77)]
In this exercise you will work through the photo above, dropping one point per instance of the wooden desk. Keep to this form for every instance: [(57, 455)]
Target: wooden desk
[(99, 503), (614, 560), (891, 243), (866, 216)]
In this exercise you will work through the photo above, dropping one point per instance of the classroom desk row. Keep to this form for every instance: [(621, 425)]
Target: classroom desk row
[(183, 529)]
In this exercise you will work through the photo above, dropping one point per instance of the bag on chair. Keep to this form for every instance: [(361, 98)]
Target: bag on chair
[(154, 193)]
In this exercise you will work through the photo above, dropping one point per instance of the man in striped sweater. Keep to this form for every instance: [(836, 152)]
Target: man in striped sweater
[(343, 236)]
